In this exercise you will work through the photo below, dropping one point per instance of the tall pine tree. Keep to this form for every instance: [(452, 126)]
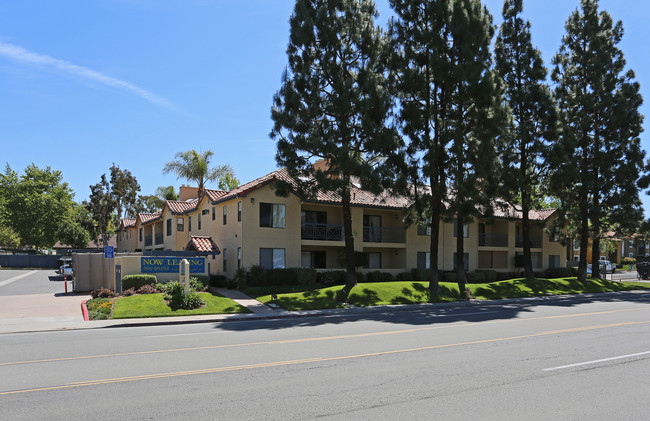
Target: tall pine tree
[(598, 160), (532, 122), (333, 105), (450, 111)]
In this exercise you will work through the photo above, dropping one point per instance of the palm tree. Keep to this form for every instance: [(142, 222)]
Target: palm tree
[(195, 166)]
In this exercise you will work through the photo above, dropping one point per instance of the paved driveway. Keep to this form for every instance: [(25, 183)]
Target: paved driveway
[(35, 299)]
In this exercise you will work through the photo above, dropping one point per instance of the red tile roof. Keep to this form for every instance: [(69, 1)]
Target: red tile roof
[(178, 207), (202, 244), (215, 195), (128, 222), (506, 210), (145, 218)]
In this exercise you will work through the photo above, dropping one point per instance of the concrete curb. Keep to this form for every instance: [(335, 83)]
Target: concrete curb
[(84, 311)]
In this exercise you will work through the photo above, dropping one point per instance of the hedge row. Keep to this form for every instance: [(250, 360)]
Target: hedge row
[(137, 281)]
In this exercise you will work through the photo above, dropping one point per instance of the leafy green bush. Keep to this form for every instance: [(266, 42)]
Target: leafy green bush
[(490, 275), (305, 275), (186, 301), (240, 278), (281, 277), (374, 276), (449, 277), (333, 277), (198, 284), (629, 260), (558, 273), (420, 274), (257, 276), (219, 281), (404, 276), (476, 277), (386, 277), (136, 281)]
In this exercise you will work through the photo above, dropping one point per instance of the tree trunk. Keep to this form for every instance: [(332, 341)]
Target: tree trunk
[(461, 276), (350, 264), (525, 234), (436, 204)]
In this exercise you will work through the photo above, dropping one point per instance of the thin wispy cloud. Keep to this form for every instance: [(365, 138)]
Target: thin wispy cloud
[(17, 53)]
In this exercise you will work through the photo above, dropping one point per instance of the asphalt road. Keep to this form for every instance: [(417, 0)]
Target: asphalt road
[(566, 359), (28, 281)]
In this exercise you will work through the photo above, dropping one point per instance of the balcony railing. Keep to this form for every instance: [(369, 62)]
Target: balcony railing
[(493, 240), (147, 241), (535, 242), (159, 238), (384, 235), (325, 232)]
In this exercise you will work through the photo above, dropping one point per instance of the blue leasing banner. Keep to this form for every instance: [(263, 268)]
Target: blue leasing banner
[(170, 264)]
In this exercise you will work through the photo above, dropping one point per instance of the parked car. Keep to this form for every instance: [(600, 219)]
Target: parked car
[(605, 266), (65, 270)]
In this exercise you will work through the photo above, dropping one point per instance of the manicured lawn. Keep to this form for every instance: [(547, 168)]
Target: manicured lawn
[(153, 305), (385, 293)]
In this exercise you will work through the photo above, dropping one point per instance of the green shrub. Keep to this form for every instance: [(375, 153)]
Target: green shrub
[(281, 277), (186, 301), (220, 281), (476, 277), (490, 275), (449, 277), (240, 278), (333, 277), (374, 276), (305, 276), (257, 276), (558, 273), (198, 283), (404, 276), (420, 274), (136, 281), (386, 277), (173, 288), (629, 260)]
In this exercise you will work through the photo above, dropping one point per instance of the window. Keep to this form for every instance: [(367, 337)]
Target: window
[(535, 257), (189, 223), (576, 244), (180, 224), (465, 261), (238, 257), (630, 255), (140, 234), (272, 258), (225, 260), (169, 227), (374, 260), (630, 243), (372, 228), (424, 260), (554, 261), (238, 211), (465, 229), (313, 259), (493, 259), (272, 215), (199, 217), (225, 215)]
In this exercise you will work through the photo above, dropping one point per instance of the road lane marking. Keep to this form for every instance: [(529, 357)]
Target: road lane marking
[(214, 333), (290, 341), (152, 376), (15, 278), (620, 357)]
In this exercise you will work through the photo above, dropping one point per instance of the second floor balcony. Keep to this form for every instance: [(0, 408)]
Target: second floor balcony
[(384, 235), (535, 242), (148, 241), (323, 232), (493, 240), (159, 238)]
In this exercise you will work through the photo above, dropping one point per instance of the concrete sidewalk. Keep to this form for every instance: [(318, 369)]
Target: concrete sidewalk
[(66, 311)]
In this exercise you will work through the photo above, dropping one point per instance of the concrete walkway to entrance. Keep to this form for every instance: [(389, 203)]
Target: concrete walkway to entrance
[(21, 313), (244, 300)]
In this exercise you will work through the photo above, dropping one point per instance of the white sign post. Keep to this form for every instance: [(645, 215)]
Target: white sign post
[(184, 274)]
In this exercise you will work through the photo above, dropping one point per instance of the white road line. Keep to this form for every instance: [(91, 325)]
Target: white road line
[(597, 361), (15, 278)]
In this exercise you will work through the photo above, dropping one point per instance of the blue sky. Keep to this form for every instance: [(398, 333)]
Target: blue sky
[(85, 83)]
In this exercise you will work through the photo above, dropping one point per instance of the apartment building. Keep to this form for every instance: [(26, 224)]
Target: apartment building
[(251, 225)]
